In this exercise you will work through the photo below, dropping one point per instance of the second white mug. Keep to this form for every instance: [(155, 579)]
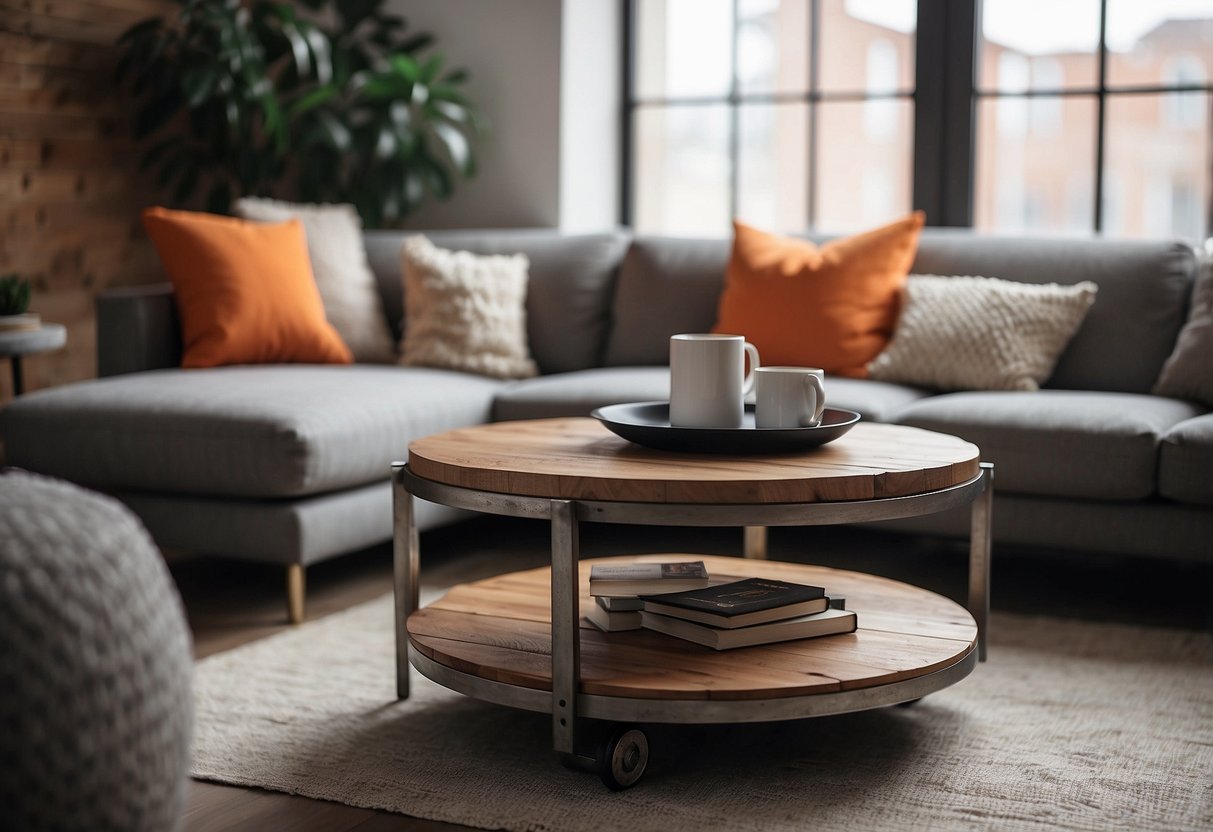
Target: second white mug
[(789, 397), (708, 382)]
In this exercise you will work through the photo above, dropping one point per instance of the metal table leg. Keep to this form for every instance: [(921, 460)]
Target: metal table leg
[(566, 640), (981, 515), (405, 573)]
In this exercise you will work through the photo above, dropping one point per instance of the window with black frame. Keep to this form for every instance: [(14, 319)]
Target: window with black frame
[(1033, 116), (784, 113)]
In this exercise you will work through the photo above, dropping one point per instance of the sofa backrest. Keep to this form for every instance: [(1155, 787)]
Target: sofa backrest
[(1144, 289), (572, 280), (669, 285)]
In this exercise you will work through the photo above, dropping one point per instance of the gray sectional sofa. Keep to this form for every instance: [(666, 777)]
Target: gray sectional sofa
[(290, 463)]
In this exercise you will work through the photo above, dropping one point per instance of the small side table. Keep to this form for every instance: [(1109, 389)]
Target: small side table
[(14, 345)]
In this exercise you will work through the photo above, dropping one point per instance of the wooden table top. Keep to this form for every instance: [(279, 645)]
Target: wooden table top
[(500, 629), (580, 459)]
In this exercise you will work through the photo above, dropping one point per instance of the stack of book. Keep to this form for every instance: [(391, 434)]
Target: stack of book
[(747, 612), (617, 589), (681, 599)]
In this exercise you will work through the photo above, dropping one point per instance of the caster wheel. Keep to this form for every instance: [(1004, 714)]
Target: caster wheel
[(622, 760)]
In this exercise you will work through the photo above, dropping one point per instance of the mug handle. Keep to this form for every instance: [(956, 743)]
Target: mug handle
[(747, 384), (813, 381)]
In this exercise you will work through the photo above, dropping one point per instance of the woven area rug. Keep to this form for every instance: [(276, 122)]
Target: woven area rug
[(1068, 726)]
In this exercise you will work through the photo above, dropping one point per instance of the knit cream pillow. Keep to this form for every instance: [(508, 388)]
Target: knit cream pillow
[(981, 333), (465, 311), (347, 285)]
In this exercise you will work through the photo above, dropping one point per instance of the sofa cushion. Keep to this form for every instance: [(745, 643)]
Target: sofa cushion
[(465, 311), (352, 303), (264, 431), (832, 307), (981, 333), (1188, 373), (876, 401), (1128, 333), (666, 286), (1185, 465), (576, 394), (571, 280), (1064, 443), (244, 290)]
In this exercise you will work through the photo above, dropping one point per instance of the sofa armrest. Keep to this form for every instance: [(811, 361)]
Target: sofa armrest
[(137, 329)]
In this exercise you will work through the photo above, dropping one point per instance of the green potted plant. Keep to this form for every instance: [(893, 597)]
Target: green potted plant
[(325, 100), (14, 301)]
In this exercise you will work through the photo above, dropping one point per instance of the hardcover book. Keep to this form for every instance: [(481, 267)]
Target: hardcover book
[(623, 603), (646, 578), (741, 603), (824, 623), (613, 622)]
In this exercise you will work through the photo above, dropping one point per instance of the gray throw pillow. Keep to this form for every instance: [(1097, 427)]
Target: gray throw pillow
[(1188, 373)]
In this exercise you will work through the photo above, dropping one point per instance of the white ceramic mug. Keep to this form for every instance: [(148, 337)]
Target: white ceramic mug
[(708, 381), (789, 397)]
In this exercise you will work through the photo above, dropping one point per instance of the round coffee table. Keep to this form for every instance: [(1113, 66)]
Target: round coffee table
[(519, 651)]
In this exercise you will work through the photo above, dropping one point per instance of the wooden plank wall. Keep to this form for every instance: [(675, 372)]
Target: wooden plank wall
[(70, 187)]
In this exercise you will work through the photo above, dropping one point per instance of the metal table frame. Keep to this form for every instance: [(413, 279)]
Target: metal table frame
[(564, 702)]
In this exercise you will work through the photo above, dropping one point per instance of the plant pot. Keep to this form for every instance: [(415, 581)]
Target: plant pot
[(20, 323)]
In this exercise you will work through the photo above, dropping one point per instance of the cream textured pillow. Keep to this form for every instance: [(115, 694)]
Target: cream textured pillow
[(1188, 373), (347, 285), (464, 311), (981, 333)]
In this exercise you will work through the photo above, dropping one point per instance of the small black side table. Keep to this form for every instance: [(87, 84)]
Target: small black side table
[(14, 345)]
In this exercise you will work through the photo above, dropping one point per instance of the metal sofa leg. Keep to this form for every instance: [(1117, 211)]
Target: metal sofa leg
[(295, 589)]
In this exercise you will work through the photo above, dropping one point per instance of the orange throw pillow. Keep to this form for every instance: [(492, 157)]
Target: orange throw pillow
[(244, 290), (832, 307)]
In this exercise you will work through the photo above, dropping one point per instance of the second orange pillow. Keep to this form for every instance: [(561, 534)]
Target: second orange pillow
[(832, 307)]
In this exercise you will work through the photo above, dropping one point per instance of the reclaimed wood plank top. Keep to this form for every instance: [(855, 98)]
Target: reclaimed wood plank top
[(580, 459), (500, 629)]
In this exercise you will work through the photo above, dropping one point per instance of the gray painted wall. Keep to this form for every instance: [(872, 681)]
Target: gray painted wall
[(537, 74)]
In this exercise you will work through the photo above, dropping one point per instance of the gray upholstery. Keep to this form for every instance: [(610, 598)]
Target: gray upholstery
[(303, 530), (572, 279), (253, 431), (1129, 331), (1185, 465), (137, 329), (95, 664), (576, 394), (666, 286), (1149, 528), (1076, 444), (877, 401)]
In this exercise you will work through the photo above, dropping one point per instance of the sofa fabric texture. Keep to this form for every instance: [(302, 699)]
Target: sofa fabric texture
[(254, 431), (1187, 462), (352, 303), (95, 665), (1061, 443), (981, 333)]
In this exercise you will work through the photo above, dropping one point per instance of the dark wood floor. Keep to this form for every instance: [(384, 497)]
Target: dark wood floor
[(230, 603)]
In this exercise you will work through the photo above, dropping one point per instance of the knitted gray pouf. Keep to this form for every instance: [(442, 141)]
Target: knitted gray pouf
[(96, 711)]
